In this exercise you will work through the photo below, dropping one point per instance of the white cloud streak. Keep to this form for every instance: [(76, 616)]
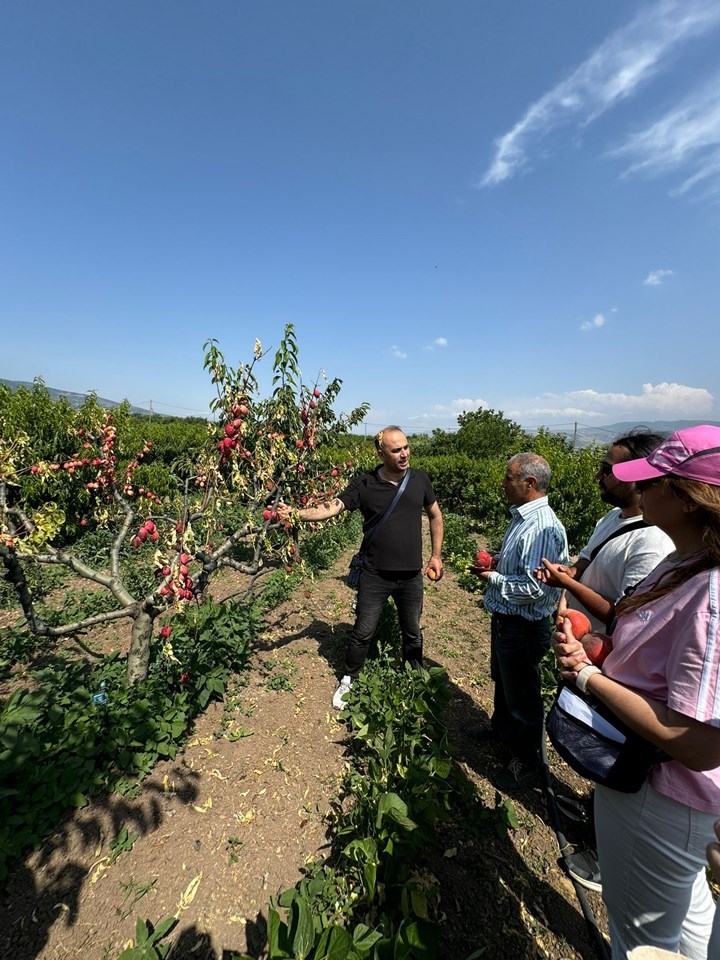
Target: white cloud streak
[(656, 277), (623, 62), (441, 342), (663, 401), (686, 139), (397, 352), (452, 410), (597, 321)]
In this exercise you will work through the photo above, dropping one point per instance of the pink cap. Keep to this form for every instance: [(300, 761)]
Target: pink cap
[(693, 453)]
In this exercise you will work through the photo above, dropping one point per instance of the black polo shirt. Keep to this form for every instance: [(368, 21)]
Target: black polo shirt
[(397, 545)]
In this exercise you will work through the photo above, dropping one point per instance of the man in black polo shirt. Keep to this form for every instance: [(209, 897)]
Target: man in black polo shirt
[(393, 555)]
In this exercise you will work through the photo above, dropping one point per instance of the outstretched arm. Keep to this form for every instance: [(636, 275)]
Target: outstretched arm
[(323, 511)]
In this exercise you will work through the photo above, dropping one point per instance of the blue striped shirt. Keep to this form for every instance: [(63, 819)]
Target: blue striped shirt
[(534, 532)]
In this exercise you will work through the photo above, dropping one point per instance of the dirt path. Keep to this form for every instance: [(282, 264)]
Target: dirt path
[(246, 802)]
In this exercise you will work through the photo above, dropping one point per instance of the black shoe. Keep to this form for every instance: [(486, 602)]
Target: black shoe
[(518, 776), (584, 867)]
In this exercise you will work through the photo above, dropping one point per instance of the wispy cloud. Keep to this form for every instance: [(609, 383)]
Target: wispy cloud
[(686, 140), (597, 321), (441, 342), (656, 277), (441, 413), (614, 71), (655, 401), (397, 352)]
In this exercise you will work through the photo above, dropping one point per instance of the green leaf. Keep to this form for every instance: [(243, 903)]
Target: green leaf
[(370, 877), (419, 904), (163, 928), (422, 937), (141, 931), (278, 943), (335, 944), (302, 930)]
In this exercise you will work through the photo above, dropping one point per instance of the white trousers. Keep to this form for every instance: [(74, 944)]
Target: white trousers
[(652, 859)]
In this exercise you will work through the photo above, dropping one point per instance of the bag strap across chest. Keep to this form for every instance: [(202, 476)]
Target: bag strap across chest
[(398, 493)]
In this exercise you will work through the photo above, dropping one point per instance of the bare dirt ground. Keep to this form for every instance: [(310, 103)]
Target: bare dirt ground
[(246, 803)]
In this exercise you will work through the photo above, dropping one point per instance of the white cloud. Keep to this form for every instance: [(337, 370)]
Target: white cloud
[(661, 401), (656, 277), (440, 342), (684, 141), (397, 352), (450, 411), (614, 71), (597, 321)]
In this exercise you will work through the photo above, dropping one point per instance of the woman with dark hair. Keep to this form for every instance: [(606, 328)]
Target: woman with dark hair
[(662, 679)]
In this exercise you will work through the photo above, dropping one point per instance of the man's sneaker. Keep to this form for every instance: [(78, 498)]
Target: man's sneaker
[(341, 693), (517, 776), (584, 867)]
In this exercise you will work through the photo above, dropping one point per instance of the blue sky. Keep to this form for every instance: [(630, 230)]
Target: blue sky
[(506, 204)]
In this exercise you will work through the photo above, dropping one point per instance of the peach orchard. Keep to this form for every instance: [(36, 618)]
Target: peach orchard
[(259, 450)]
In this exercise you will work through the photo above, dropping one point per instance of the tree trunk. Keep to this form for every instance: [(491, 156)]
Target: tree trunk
[(139, 655)]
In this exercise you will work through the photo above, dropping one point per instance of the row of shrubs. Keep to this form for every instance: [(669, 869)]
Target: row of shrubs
[(465, 465)]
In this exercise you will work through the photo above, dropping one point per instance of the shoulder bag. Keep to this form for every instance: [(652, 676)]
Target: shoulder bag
[(597, 744)]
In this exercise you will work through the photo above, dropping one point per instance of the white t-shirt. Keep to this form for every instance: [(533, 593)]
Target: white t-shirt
[(623, 562)]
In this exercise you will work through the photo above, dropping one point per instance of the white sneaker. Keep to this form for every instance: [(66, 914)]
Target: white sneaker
[(341, 693)]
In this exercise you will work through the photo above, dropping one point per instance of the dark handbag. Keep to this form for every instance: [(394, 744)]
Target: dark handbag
[(358, 561), (597, 744), (356, 568)]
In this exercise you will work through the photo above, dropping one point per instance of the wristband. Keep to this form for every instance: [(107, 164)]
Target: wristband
[(581, 680)]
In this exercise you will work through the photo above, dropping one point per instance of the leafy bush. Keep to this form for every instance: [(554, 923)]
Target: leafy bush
[(574, 493), (322, 547), (482, 434)]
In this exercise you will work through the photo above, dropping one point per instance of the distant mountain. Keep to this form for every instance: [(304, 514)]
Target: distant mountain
[(604, 433), (75, 400)]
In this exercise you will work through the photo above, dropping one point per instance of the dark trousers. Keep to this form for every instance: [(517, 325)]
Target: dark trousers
[(516, 648), (406, 589)]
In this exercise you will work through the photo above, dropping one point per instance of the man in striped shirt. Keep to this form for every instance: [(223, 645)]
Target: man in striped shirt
[(521, 608)]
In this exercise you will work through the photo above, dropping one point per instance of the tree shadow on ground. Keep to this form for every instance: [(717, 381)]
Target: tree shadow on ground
[(45, 889), (486, 870)]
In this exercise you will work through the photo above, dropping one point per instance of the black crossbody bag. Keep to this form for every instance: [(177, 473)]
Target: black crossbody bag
[(597, 744), (358, 561)]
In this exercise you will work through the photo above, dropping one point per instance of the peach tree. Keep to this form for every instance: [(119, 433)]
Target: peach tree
[(261, 446)]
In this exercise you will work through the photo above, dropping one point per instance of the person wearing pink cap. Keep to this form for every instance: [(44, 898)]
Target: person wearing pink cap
[(662, 678)]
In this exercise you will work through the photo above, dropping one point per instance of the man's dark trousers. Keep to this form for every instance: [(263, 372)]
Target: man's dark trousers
[(517, 646), (406, 589)]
